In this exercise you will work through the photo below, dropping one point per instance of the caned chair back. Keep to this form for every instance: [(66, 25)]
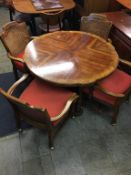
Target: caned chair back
[(15, 37), (96, 24)]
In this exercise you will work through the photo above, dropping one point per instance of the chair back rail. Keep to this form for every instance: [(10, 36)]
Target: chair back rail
[(15, 37)]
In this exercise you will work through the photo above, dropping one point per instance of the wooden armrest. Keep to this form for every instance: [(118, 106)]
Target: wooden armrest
[(16, 84), (109, 92), (53, 13), (33, 37), (127, 63), (109, 40), (73, 98), (15, 58)]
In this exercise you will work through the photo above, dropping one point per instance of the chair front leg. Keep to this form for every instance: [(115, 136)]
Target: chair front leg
[(15, 73), (50, 138), (18, 121), (114, 115)]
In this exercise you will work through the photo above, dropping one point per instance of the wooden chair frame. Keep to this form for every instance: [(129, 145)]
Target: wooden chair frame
[(120, 97), (27, 112), (97, 24), (11, 51)]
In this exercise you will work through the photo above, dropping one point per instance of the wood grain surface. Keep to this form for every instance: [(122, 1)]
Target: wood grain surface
[(70, 58), (125, 3), (26, 6)]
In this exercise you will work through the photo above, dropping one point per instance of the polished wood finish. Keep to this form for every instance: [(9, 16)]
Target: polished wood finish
[(2, 2), (121, 33), (121, 21), (96, 6), (125, 3), (118, 97), (26, 6), (15, 37), (38, 117), (70, 58)]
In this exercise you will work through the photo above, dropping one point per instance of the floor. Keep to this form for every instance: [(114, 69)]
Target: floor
[(86, 145), (5, 64)]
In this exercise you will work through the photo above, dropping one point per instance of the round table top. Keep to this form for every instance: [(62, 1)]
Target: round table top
[(26, 6), (70, 58), (125, 3)]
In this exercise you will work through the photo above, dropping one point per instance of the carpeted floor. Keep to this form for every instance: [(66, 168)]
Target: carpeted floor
[(7, 119)]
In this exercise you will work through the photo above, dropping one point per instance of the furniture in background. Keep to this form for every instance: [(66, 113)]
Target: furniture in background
[(121, 34), (25, 6), (15, 37), (9, 4), (95, 6), (48, 111), (52, 21), (97, 24), (2, 2), (29, 19)]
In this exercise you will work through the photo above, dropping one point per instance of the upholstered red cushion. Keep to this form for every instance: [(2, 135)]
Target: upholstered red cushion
[(117, 82), (43, 95), (19, 64)]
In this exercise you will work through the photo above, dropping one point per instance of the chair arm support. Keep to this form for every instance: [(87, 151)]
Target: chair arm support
[(72, 99), (33, 37), (109, 92), (53, 13), (127, 63), (15, 58), (109, 40), (16, 84)]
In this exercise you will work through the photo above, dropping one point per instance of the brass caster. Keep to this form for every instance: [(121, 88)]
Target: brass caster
[(20, 130), (113, 124), (52, 148), (73, 117)]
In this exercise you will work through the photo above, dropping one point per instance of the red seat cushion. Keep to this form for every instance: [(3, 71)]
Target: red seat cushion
[(41, 94), (117, 82), (19, 64)]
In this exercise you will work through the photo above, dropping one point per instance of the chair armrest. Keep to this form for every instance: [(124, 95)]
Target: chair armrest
[(109, 40), (127, 63), (109, 92), (33, 37), (16, 84), (15, 58), (72, 99), (53, 13)]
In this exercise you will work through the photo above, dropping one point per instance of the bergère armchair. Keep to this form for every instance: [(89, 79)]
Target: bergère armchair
[(113, 90), (41, 105), (15, 37)]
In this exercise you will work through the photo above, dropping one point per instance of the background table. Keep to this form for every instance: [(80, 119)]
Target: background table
[(26, 6), (70, 58)]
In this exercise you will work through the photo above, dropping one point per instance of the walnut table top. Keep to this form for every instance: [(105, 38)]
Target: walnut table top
[(70, 58), (26, 6)]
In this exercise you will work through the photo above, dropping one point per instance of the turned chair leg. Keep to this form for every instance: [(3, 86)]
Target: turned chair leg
[(114, 116), (15, 73), (18, 123), (59, 22), (50, 139)]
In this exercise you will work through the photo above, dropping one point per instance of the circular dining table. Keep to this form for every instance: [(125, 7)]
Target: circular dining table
[(70, 58), (26, 6)]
